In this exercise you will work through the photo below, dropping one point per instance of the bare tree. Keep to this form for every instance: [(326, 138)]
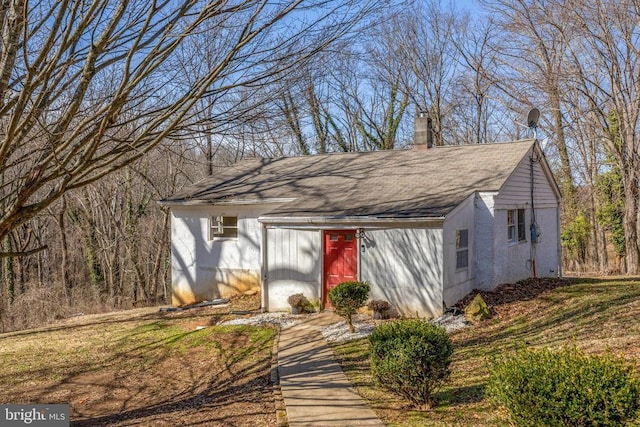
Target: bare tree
[(427, 49), (475, 44), (533, 59), (352, 98), (381, 115), (605, 67), (307, 107), (87, 88), (584, 58)]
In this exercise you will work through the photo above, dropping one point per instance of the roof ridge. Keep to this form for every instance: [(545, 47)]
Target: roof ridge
[(393, 150)]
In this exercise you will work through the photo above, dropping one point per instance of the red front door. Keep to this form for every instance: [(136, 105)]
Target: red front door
[(340, 259)]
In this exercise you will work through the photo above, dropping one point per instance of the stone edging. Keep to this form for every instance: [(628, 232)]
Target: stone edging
[(281, 412)]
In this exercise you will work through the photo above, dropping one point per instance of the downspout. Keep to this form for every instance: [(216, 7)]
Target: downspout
[(264, 270), (558, 240), (534, 227)]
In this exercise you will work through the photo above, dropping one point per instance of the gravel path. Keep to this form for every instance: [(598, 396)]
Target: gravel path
[(282, 319), (339, 332)]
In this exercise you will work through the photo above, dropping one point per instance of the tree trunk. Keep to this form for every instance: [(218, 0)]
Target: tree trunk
[(630, 225), (92, 260), (209, 154), (566, 182), (67, 285), (164, 248), (602, 249), (20, 264), (9, 271)]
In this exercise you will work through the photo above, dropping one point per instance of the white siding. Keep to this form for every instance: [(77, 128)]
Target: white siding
[(405, 267), (485, 241), (458, 282), (513, 262), (547, 256), (294, 265), (517, 189), (204, 269)]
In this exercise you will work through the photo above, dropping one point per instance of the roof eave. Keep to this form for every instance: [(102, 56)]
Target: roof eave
[(230, 202), (348, 220)]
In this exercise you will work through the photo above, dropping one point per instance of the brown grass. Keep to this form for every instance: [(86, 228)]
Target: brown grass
[(598, 315), (143, 367)]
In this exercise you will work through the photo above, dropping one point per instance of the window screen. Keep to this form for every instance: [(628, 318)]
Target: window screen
[(516, 231), (462, 249), (224, 227)]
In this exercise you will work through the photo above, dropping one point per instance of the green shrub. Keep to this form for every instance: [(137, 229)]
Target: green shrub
[(347, 297), (411, 358), (311, 306), (564, 388)]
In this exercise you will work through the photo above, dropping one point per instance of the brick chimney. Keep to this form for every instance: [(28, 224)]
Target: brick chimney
[(422, 131)]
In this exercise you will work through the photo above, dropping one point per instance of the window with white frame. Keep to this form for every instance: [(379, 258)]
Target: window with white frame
[(223, 227), (516, 231), (462, 249)]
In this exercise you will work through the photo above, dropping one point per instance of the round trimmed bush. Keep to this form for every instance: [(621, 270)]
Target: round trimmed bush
[(564, 388), (347, 297), (411, 358)]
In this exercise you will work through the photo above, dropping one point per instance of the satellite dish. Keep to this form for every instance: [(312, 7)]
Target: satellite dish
[(532, 118)]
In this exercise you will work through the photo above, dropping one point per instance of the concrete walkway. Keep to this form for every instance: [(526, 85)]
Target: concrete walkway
[(315, 390)]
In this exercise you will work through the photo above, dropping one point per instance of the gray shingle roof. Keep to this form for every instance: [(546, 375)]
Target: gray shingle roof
[(383, 184)]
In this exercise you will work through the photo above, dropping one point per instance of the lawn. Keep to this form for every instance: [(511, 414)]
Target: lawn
[(596, 315), (143, 367)]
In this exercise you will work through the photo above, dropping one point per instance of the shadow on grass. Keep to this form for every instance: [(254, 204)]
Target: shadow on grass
[(594, 312), (215, 313), (216, 395), (158, 317), (460, 395), (202, 385), (607, 280), (581, 309), (150, 369)]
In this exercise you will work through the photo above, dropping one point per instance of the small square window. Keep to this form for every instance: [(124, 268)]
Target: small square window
[(223, 227), (348, 237), (333, 237)]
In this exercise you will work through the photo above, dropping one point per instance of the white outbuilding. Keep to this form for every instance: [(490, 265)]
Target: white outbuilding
[(424, 227)]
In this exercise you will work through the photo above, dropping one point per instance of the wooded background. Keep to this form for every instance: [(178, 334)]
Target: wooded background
[(108, 106)]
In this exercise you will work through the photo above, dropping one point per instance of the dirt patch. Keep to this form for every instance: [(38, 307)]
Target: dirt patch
[(183, 390), (144, 367)]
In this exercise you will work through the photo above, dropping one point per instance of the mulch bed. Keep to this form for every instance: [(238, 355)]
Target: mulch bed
[(524, 290)]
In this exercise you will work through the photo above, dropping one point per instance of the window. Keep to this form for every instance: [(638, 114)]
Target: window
[(462, 249), (223, 227), (515, 226)]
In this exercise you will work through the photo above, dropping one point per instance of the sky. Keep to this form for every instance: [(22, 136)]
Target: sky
[(473, 6)]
